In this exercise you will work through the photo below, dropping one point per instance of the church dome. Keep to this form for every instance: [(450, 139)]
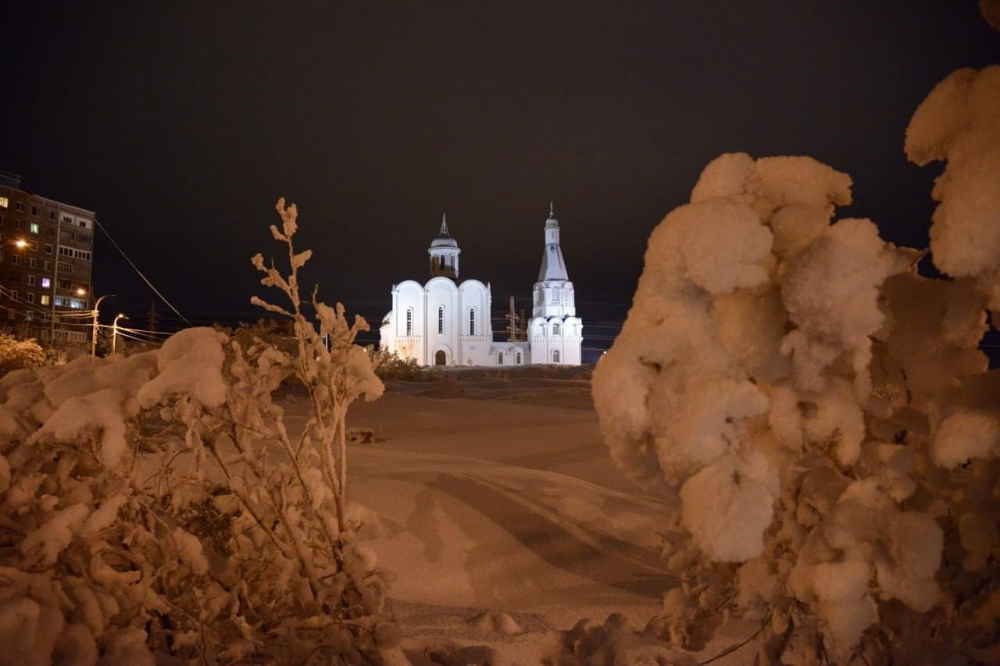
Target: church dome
[(444, 253), (444, 242)]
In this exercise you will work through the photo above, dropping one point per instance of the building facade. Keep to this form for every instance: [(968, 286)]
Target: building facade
[(445, 322), (46, 255)]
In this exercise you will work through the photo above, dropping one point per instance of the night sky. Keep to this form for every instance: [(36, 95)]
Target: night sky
[(182, 123)]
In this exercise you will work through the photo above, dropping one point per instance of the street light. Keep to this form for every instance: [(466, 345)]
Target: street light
[(93, 335), (114, 332)]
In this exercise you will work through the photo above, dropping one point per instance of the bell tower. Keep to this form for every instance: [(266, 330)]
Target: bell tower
[(444, 253)]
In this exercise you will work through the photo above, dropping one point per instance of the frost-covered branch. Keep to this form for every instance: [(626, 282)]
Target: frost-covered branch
[(158, 505)]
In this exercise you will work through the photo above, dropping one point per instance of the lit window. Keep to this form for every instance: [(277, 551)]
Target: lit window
[(76, 304), (409, 321), (441, 319), (45, 299), (555, 355), (33, 227), (4, 202), (46, 283)]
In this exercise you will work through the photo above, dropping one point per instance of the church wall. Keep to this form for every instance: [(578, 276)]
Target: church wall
[(556, 334), (441, 332), (410, 298), (475, 348)]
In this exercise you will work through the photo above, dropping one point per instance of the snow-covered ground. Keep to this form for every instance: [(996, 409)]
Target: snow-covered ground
[(503, 516)]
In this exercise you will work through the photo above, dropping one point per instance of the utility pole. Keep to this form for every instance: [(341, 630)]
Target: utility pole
[(153, 317), (512, 327), (114, 333), (93, 333)]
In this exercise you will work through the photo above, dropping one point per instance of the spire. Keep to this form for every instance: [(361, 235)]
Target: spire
[(444, 252), (553, 265), (552, 210)]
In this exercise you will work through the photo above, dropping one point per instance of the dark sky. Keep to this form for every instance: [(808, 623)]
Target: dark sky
[(181, 124)]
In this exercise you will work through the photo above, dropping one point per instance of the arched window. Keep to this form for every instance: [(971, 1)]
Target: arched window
[(555, 329), (409, 321), (517, 358), (472, 321), (440, 319), (499, 358), (555, 355)]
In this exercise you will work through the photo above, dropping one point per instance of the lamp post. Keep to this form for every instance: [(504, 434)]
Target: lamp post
[(93, 334), (114, 332)]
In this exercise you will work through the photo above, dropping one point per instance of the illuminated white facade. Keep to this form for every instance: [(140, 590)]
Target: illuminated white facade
[(555, 333), (447, 322)]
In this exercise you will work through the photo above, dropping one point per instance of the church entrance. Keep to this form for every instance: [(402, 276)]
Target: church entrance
[(440, 358)]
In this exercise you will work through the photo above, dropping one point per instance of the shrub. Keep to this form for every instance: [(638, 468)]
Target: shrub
[(16, 354), (218, 537), (820, 411)]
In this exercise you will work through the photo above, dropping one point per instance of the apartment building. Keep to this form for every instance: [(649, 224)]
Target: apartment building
[(46, 255)]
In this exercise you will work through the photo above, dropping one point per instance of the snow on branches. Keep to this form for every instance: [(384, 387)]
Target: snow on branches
[(156, 506), (821, 411)]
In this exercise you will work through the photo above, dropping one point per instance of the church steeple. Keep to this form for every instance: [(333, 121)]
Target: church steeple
[(444, 253), (553, 265)]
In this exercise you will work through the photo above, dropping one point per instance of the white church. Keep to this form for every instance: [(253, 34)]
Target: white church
[(447, 322)]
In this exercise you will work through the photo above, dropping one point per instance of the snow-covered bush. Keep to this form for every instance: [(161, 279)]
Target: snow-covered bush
[(16, 354), (156, 506), (821, 411), (390, 365)]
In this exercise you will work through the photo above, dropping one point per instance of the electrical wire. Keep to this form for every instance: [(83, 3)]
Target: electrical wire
[(136, 269)]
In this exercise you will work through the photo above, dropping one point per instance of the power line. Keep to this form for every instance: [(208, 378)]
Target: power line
[(136, 269)]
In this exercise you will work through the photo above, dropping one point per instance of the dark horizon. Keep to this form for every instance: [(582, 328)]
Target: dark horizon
[(182, 125)]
